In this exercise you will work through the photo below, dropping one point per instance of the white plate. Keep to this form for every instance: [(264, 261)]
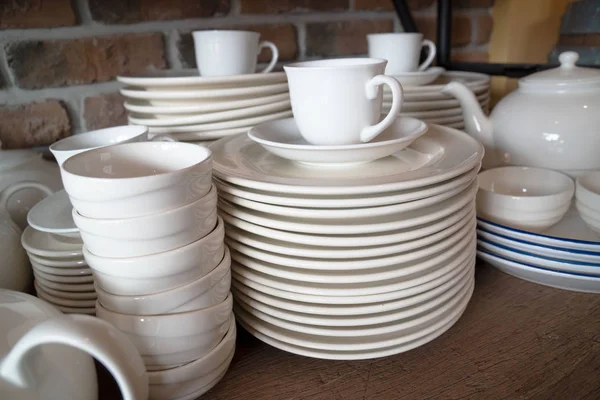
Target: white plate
[(560, 280), (469, 79), (186, 79), (48, 245), (61, 271), (419, 78), (352, 241), (283, 138), (66, 287), (345, 201), (213, 126), (343, 213), (205, 93), (68, 295), (300, 250), (357, 225), (543, 251), (419, 93), (449, 112), (53, 214), (571, 233), (439, 155), (205, 136), (432, 105), (539, 261), (362, 313), (408, 330), (44, 295), (44, 277), (170, 120), (355, 289)]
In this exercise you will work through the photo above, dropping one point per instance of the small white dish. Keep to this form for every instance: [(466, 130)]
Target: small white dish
[(196, 94), (75, 262), (434, 105), (419, 78), (67, 295), (588, 190), (187, 79), (427, 115), (560, 280), (60, 301), (53, 215), (283, 138), (65, 287), (61, 271), (49, 245), (590, 216), (211, 136), (79, 279)]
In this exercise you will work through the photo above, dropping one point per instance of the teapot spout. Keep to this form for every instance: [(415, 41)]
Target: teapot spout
[(477, 123)]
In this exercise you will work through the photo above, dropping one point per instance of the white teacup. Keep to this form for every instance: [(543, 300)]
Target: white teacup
[(220, 53), (402, 50), (338, 102)]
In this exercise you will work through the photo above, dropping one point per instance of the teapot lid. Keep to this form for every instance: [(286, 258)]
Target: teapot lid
[(567, 77)]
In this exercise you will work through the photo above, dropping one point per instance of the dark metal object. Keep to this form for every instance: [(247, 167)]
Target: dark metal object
[(405, 16)]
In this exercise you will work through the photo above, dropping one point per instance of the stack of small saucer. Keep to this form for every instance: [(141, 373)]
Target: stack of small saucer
[(202, 109), (146, 212), (54, 248)]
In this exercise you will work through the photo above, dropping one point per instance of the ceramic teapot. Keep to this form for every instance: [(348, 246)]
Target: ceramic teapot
[(551, 121), (15, 272), (26, 165), (35, 364)]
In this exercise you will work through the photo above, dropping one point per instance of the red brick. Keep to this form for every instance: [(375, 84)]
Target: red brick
[(473, 3), (131, 11), (104, 111), (52, 63), (34, 124), (583, 40), (461, 29), (287, 6), (342, 38), (283, 35), (485, 24), (469, 56), (36, 14)]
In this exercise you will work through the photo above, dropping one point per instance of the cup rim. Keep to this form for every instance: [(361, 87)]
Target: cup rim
[(74, 139), (220, 31), (397, 34), (334, 64)]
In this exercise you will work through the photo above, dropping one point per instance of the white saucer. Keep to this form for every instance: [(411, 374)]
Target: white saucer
[(81, 289), (283, 138), (433, 105), (205, 136), (56, 300), (186, 79), (473, 80), (560, 280), (171, 120), (204, 94), (52, 246), (53, 215), (450, 112), (439, 155), (419, 78)]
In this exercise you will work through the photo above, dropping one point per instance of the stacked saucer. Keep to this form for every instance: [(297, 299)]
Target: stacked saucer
[(146, 212), (202, 109), (355, 262), (428, 103), (54, 248)]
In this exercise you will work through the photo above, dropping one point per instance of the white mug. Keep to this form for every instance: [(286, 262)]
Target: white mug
[(402, 50), (338, 102), (220, 53)]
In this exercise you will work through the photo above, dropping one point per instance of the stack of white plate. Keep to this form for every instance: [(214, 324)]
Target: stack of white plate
[(429, 104), (355, 262), (55, 251), (203, 109), (566, 256)]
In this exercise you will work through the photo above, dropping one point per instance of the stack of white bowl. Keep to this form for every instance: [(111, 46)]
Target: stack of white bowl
[(147, 215), (427, 102), (588, 199), (202, 109), (356, 262), (527, 226)]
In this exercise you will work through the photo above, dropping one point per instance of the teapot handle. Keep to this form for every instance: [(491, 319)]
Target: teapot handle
[(96, 337)]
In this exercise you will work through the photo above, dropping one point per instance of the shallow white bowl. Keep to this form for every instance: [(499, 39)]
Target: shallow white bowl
[(535, 221), (85, 271), (83, 279), (195, 378), (76, 288), (209, 290), (590, 216), (523, 189), (150, 234), (588, 190), (61, 301), (136, 179), (91, 295), (75, 262)]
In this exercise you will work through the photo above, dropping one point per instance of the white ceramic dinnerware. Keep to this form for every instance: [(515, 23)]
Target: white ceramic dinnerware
[(551, 121), (224, 52), (160, 271), (284, 139), (523, 197), (191, 96), (136, 179), (49, 245), (41, 354), (54, 215), (588, 199), (170, 80), (349, 106), (401, 50), (419, 78)]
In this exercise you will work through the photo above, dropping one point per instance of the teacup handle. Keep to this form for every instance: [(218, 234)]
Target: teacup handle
[(164, 138), (7, 193), (94, 336), (370, 132), (274, 57), (430, 54)]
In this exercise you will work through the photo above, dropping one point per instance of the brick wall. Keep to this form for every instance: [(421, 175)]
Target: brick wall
[(59, 58)]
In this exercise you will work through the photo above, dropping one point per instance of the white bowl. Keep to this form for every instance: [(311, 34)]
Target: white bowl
[(150, 234), (168, 339), (588, 190), (523, 189), (590, 216), (525, 220), (79, 143), (196, 377), (136, 179), (209, 290)]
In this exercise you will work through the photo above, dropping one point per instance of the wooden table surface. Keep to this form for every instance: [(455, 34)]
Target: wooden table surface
[(516, 340)]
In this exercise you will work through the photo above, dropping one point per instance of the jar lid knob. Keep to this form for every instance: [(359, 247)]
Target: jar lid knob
[(568, 59)]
